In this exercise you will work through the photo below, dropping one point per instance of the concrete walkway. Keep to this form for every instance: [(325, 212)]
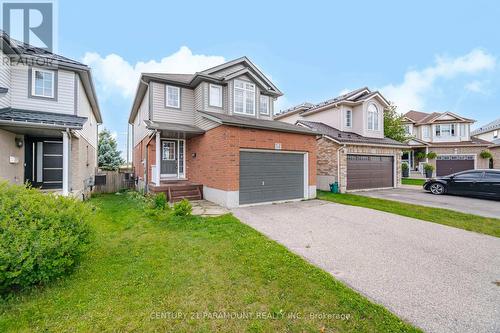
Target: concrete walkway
[(439, 278), (416, 195), (207, 209)]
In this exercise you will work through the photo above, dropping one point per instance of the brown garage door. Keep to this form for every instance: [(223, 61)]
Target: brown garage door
[(446, 165), (367, 171)]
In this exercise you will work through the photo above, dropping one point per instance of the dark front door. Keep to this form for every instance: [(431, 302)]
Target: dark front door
[(447, 165), (266, 176), (169, 160), (43, 163), (367, 171)]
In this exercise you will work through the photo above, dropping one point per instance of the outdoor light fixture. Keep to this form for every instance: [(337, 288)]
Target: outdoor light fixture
[(193, 155), (19, 142)]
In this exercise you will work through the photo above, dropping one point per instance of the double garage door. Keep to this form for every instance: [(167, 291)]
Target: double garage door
[(268, 176), (369, 171), (448, 164)]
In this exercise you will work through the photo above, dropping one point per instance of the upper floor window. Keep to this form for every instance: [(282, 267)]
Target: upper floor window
[(43, 83), (463, 130), (426, 132), (264, 105), (244, 97), (173, 95), (373, 117), (445, 130), (407, 129), (495, 134), (348, 118), (215, 96)]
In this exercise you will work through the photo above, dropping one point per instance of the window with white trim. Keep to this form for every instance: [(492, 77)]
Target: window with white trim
[(43, 83), (168, 151), (244, 97), (264, 104), (173, 96), (407, 129), (495, 134), (348, 118), (373, 117), (426, 132), (215, 95), (445, 130)]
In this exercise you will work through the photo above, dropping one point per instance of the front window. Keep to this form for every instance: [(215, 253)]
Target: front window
[(426, 131), (373, 118), (215, 96), (244, 97), (407, 129), (348, 118), (43, 83), (264, 104), (445, 130), (173, 96)]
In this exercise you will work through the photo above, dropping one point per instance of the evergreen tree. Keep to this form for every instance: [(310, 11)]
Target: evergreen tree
[(108, 155)]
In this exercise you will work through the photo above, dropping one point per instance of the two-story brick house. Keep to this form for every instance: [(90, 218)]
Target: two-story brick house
[(449, 136), (352, 149), (211, 134), (48, 119)]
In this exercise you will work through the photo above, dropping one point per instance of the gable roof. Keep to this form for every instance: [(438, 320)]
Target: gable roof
[(250, 122), (192, 80), (422, 118), (495, 124), (19, 50), (348, 137), (354, 97)]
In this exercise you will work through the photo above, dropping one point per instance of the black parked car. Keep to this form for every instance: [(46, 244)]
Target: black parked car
[(478, 183)]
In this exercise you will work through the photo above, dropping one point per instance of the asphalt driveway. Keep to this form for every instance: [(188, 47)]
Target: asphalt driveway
[(439, 278), (416, 195)]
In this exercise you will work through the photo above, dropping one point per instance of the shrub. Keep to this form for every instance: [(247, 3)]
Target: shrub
[(183, 208), (160, 201), (428, 167), (431, 155), (420, 155), (42, 236), (404, 166), (486, 154)]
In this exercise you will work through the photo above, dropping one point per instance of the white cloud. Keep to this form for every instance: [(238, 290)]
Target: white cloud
[(115, 75), (411, 93), (474, 86)]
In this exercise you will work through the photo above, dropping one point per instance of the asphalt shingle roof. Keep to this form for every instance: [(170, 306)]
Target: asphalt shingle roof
[(495, 124), (348, 137), (47, 118), (249, 122), (182, 78)]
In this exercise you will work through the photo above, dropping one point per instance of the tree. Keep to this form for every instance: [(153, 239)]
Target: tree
[(393, 124), (108, 155)]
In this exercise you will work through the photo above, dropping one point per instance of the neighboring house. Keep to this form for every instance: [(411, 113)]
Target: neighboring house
[(446, 134), (491, 132), (211, 134), (352, 149), (48, 119)]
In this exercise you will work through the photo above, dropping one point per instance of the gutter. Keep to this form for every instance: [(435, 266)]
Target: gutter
[(44, 125)]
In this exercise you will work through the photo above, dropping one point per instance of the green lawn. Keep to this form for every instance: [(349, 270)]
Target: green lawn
[(141, 271), (413, 181), (483, 225)]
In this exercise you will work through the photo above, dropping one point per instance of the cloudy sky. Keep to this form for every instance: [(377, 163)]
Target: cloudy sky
[(423, 55)]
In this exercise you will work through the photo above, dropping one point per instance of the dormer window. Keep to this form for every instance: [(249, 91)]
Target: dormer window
[(264, 105), (215, 96), (244, 97), (495, 134), (43, 83), (173, 97), (348, 118), (373, 117)]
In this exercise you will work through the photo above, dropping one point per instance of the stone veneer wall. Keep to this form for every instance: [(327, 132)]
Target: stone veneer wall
[(495, 151), (481, 163)]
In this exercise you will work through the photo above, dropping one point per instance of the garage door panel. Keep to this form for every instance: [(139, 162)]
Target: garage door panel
[(450, 166), (367, 171), (266, 176)]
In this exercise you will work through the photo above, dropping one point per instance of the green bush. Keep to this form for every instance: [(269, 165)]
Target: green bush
[(428, 167), (420, 155), (431, 155), (404, 166), (183, 208), (42, 236), (160, 201), (486, 154)]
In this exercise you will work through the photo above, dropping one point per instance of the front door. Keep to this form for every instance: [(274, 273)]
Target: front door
[(169, 158)]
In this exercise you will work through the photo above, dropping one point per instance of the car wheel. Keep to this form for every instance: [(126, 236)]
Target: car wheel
[(437, 188)]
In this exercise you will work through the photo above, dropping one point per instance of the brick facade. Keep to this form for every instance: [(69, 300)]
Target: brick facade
[(147, 147), (327, 164), (495, 151), (481, 163), (213, 158)]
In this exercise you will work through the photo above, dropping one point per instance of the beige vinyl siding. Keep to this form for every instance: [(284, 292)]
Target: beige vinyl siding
[(198, 96), (5, 73), (140, 130), (84, 109), (228, 70), (182, 115), (65, 92)]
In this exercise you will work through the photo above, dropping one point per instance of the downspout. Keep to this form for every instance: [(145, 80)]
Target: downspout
[(146, 167)]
